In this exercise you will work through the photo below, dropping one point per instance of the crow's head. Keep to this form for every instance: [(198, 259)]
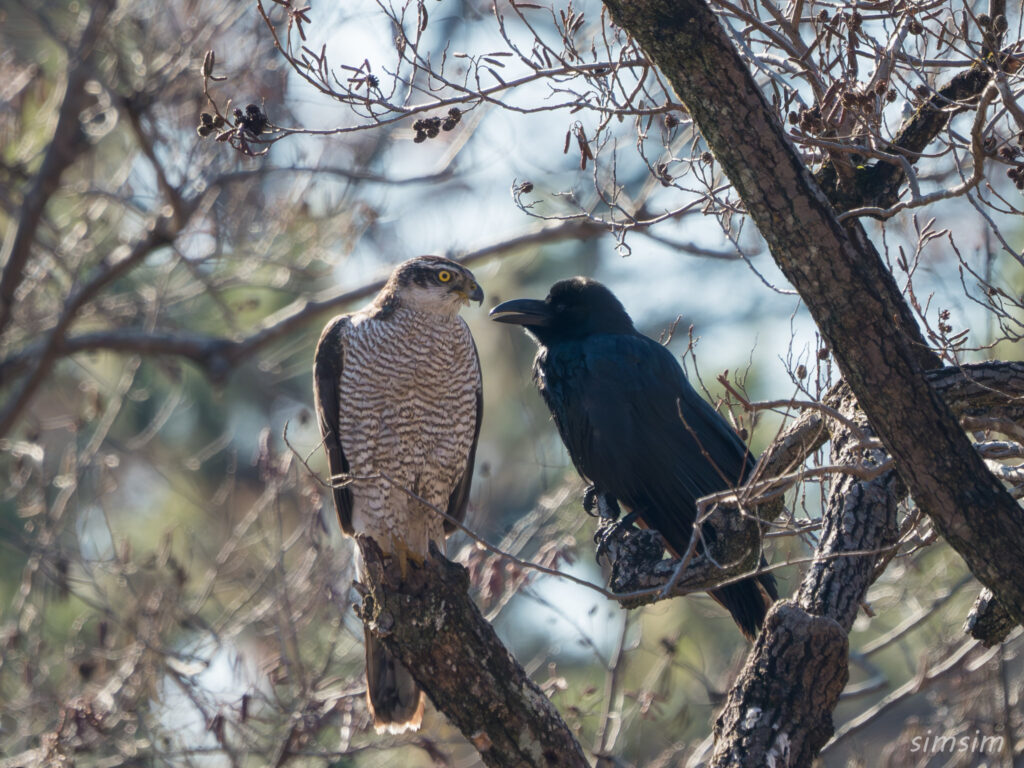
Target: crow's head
[(574, 309)]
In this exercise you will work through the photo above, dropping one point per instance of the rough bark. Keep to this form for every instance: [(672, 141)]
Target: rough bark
[(429, 622), (849, 292), (987, 620), (995, 388), (780, 710), (860, 517)]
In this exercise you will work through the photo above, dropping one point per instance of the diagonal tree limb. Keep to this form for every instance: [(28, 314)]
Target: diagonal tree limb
[(429, 622), (878, 185)]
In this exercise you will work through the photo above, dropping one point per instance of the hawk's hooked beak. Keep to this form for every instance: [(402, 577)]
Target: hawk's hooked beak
[(527, 312), (471, 292)]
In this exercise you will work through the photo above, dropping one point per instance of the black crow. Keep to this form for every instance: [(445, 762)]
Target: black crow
[(634, 426)]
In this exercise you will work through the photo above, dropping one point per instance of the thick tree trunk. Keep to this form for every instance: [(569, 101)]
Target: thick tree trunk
[(847, 288)]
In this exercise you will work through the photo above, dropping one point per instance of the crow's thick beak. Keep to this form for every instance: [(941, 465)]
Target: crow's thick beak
[(528, 312)]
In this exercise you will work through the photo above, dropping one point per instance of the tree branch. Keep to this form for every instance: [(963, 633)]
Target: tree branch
[(217, 356), (67, 144), (429, 622), (878, 185)]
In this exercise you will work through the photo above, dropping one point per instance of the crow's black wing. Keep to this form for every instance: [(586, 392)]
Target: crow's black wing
[(327, 367), (636, 429)]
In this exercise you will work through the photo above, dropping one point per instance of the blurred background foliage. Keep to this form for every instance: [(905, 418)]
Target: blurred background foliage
[(174, 590)]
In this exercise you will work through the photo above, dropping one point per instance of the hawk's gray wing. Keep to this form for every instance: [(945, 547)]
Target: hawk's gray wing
[(327, 366), (460, 496)]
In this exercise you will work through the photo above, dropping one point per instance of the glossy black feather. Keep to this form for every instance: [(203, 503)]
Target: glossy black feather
[(633, 425)]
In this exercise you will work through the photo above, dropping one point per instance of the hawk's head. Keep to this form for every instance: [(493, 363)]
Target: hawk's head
[(432, 284)]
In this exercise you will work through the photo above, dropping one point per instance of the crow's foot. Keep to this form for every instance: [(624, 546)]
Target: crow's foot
[(611, 531), (601, 505)]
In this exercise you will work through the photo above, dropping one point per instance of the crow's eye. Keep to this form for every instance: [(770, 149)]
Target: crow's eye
[(444, 275)]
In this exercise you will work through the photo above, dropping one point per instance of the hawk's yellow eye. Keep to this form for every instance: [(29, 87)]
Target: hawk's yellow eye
[(444, 275)]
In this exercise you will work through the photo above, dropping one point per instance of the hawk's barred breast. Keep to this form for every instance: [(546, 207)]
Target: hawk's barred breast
[(407, 409)]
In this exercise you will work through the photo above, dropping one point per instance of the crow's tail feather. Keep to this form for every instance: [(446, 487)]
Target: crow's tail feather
[(748, 601)]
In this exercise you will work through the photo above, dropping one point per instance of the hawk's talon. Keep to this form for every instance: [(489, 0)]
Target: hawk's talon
[(403, 554), (590, 500)]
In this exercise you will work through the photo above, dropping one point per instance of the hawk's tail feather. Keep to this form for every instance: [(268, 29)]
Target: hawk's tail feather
[(395, 701), (748, 601)]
